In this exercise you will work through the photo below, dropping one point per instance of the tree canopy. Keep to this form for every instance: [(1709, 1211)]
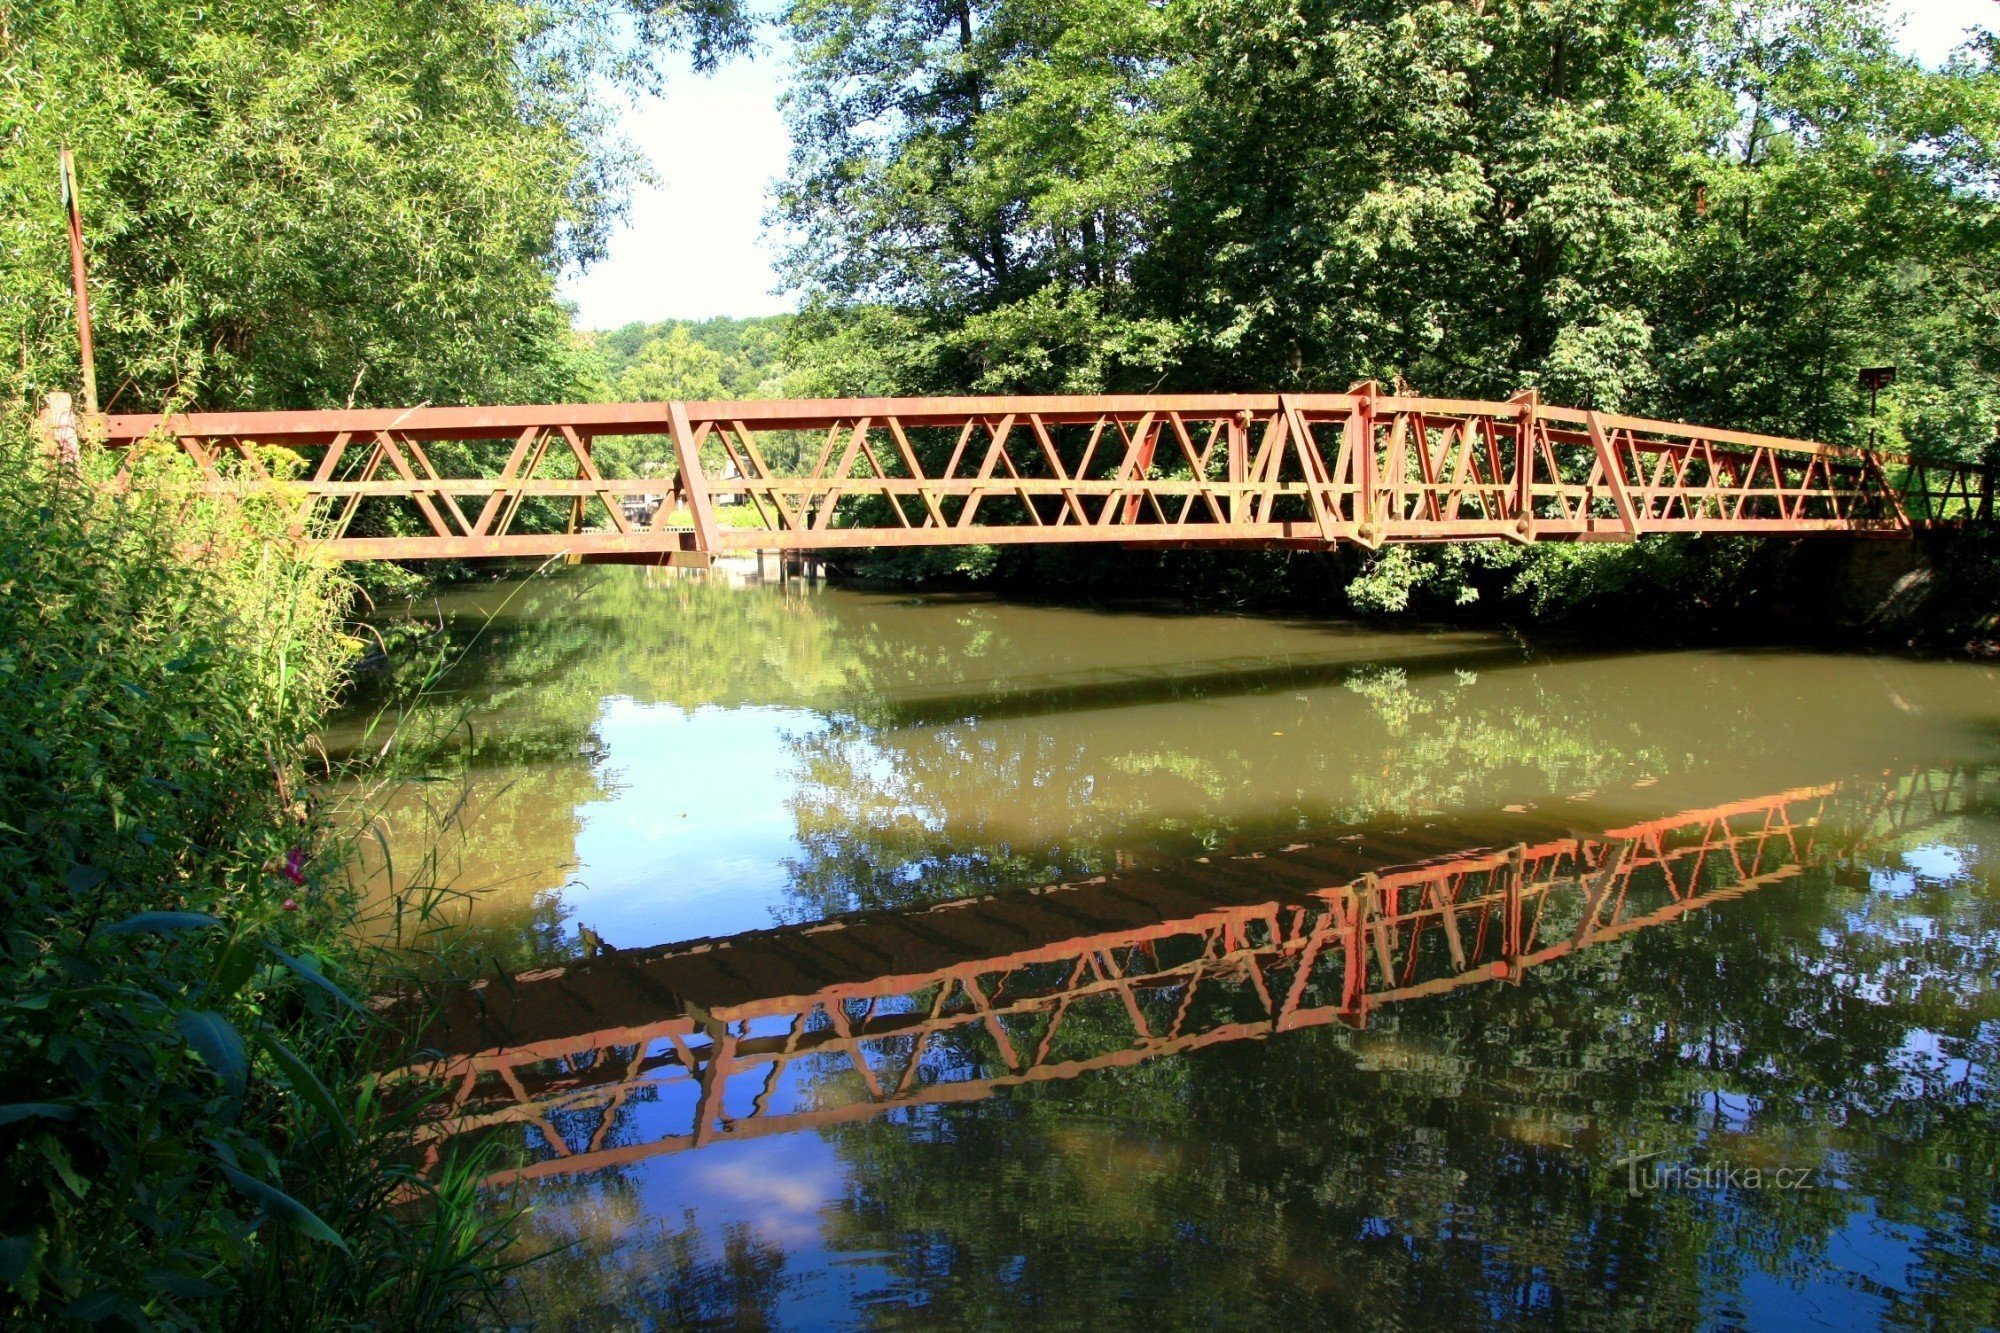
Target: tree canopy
[(302, 206), (1685, 207)]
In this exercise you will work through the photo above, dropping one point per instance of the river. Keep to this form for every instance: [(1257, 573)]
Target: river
[(1229, 1025)]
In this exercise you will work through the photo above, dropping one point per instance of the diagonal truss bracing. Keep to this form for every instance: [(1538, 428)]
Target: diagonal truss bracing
[(1307, 470)]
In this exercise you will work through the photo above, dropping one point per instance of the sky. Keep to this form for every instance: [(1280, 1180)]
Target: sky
[(694, 245)]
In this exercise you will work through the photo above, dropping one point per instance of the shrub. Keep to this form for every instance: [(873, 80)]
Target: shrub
[(190, 1137)]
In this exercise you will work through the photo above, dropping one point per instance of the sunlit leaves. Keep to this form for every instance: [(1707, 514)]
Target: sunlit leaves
[(310, 205)]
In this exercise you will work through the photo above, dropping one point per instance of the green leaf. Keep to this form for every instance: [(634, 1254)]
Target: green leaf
[(310, 972), (159, 923), (83, 878), (35, 1110), (94, 1308), (233, 966), (217, 1043), (307, 1085), (280, 1204), (181, 1284), (17, 1256), (52, 1152)]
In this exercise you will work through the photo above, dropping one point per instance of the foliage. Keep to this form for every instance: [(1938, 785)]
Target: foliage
[(705, 359), (1683, 208), (189, 1137), (709, 358), (309, 205)]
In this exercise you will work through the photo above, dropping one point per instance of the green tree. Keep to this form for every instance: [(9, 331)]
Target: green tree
[(1680, 208), (983, 170), (674, 366), (304, 206)]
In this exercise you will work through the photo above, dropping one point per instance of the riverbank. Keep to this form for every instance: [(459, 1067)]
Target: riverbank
[(192, 1137), (1937, 593)]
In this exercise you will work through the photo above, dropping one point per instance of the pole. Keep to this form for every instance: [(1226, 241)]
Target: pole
[(76, 277), (1986, 476)]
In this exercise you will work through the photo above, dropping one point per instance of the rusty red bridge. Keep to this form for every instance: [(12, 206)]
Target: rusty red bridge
[(1289, 470)]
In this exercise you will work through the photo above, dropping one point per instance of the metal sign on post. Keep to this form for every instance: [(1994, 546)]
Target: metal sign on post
[(76, 276)]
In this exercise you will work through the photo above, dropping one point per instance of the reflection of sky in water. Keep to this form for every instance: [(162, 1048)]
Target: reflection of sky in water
[(1938, 863), (788, 1190), (1865, 1258), (695, 837), (697, 826), (781, 1190)]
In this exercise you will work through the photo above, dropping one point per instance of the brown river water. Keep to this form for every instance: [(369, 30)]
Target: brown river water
[(867, 959)]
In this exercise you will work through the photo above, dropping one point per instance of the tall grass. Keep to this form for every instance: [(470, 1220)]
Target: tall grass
[(191, 1136)]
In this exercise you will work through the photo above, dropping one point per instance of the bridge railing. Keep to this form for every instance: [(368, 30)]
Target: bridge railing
[(1308, 470)]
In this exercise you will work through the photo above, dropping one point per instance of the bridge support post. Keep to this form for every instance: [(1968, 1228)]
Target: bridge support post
[(1529, 402), (1991, 465), (694, 484), (1239, 466), (714, 1076), (1613, 469), (59, 439), (1367, 474), (1511, 942), (1354, 978)]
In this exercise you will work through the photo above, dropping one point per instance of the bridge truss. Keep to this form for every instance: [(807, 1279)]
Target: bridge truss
[(1304, 470), (619, 1059)]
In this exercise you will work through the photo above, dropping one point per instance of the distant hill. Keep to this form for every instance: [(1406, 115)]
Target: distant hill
[(707, 358)]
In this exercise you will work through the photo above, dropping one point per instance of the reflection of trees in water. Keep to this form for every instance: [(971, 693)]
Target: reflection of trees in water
[(957, 759), (893, 816), (882, 826), (1452, 1164), (540, 658), (607, 1262), (511, 736), (485, 856), (1456, 1162)]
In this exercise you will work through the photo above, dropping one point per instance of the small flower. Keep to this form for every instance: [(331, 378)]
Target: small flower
[(295, 866), (291, 905)]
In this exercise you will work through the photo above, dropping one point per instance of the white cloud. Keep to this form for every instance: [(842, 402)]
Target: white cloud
[(693, 246)]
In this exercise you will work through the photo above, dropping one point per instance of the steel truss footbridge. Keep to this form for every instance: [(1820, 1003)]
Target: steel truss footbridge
[(1308, 471)]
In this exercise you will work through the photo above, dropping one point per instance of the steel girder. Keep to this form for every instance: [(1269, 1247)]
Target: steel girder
[(1306, 470)]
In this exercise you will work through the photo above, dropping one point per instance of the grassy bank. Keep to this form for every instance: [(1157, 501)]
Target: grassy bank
[(190, 1134)]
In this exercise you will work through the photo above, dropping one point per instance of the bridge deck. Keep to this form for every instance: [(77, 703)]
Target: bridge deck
[(1304, 470)]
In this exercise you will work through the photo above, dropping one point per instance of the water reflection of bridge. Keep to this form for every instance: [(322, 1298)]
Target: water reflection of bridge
[(625, 1057)]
